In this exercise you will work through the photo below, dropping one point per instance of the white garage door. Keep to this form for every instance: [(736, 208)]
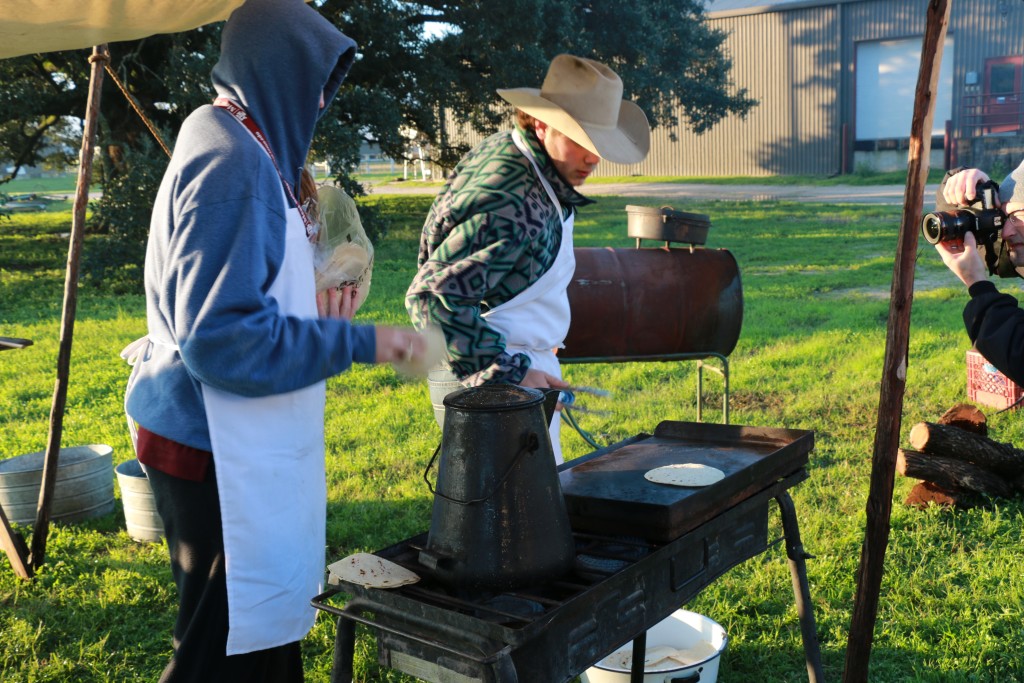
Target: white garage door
[(886, 79)]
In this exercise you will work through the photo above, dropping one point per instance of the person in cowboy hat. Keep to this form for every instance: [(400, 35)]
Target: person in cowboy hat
[(496, 253)]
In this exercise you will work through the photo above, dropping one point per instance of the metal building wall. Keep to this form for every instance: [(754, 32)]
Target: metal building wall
[(792, 71)]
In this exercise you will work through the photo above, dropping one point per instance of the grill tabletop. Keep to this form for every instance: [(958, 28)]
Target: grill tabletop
[(606, 490)]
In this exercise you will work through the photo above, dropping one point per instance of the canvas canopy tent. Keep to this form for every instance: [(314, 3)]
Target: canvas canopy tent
[(33, 26), (36, 26)]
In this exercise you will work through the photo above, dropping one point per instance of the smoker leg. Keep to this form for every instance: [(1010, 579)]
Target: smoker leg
[(344, 651), (724, 372), (798, 570), (636, 672), (725, 392)]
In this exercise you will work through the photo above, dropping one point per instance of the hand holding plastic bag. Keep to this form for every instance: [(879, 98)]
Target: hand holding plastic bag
[(344, 254)]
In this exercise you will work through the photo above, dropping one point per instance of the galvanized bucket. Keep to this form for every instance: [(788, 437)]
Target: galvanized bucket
[(140, 515), (84, 486)]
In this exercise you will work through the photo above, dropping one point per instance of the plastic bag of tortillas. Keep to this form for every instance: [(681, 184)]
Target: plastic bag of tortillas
[(344, 254)]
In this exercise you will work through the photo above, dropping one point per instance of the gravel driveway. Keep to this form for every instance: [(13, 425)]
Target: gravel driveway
[(836, 194)]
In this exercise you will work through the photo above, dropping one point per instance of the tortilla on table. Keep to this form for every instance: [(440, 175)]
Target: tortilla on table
[(685, 474), (371, 571)]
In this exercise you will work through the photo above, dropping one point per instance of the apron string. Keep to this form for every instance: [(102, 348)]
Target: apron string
[(137, 351), (524, 148)]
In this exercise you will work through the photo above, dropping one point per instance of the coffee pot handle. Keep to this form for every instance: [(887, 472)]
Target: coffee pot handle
[(531, 442)]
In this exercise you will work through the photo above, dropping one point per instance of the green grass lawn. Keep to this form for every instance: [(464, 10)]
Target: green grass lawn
[(816, 280), (62, 184)]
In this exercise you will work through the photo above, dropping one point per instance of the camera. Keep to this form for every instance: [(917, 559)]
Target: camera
[(985, 222)]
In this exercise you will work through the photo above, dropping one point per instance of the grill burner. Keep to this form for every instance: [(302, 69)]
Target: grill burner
[(509, 609), (603, 559), (550, 633)]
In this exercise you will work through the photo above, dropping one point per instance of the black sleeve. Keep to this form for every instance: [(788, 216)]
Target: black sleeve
[(995, 323)]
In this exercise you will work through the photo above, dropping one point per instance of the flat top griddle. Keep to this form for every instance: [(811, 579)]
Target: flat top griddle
[(606, 490)]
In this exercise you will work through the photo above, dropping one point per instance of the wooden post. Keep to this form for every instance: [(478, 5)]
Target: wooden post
[(99, 57), (897, 342)]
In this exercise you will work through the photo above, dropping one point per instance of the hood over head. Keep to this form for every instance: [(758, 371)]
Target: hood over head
[(276, 58)]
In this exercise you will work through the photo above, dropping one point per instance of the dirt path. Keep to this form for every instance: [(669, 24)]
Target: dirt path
[(837, 194)]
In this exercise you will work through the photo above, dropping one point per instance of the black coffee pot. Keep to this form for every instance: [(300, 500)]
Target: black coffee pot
[(499, 520)]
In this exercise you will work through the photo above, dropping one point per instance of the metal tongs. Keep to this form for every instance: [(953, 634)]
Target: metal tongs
[(567, 397)]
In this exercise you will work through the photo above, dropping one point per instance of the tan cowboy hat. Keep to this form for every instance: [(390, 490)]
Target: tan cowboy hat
[(582, 99)]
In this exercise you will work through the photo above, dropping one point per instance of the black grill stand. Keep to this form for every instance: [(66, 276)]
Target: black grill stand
[(499, 663)]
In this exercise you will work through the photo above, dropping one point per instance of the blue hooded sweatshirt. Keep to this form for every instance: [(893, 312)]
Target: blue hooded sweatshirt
[(217, 233)]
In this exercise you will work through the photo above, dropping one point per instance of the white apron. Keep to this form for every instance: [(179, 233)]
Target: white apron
[(269, 455), (269, 458), (536, 321)]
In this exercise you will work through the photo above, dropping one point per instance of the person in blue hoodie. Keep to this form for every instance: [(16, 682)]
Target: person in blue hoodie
[(228, 386)]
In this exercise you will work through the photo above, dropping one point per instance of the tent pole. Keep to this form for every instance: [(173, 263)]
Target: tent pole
[(13, 544), (897, 343), (99, 57)]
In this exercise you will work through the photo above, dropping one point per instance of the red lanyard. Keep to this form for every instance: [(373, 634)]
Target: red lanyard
[(242, 116)]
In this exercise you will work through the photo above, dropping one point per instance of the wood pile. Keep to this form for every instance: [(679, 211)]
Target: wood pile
[(956, 461)]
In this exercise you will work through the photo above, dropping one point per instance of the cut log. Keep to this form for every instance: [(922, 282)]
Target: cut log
[(927, 493), (967, 417), (952, 473), (953, 442)]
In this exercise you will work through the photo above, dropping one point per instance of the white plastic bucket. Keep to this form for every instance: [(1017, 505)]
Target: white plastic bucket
[(689, 632)]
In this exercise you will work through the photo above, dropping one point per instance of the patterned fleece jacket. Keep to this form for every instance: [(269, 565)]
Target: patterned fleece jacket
[(491, 232)]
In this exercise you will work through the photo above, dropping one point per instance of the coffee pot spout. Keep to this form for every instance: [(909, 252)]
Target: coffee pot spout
[(550, 403)]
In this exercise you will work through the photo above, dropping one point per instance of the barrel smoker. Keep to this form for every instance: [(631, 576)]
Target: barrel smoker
[(662, 303)]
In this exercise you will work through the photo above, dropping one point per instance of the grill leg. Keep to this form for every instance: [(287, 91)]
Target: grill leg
[(798, 570), (505, 670), (344, 651), (636, 672)]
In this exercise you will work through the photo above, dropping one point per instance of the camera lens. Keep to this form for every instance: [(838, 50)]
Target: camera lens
[(947, 226), (931, 228)]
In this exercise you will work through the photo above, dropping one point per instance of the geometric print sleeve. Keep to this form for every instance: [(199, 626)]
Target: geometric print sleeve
[(466, 270)]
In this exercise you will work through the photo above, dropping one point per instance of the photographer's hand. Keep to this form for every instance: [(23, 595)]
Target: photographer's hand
[(963, 259), (961, 188)]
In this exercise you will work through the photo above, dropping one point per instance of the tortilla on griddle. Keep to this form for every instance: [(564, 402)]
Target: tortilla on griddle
[(685, 474), (365, 569)]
